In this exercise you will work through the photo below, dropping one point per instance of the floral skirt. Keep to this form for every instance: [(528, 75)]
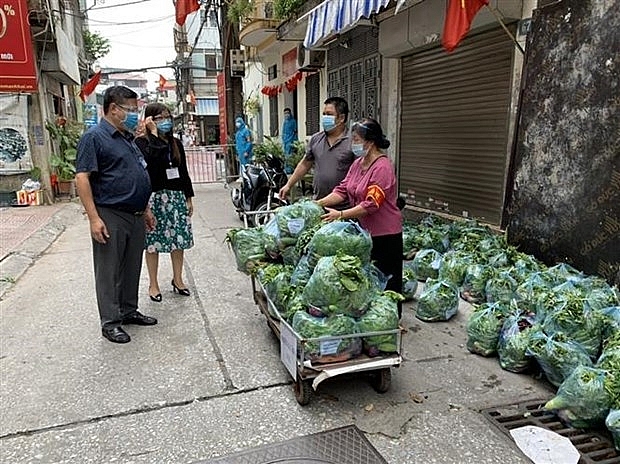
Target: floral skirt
[(173, 230)]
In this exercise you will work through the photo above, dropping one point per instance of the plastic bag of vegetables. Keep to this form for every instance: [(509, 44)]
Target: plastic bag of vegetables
[(582, 400), (382, 315), (248, 246), (301, 274), (344, 237), (560, 273), (556, 355), (500, 287), (276, 279), (454, 266), (610, 361), (475, 282), (293, 219), (438, 302), (333, 350), (513, 341), (613, 425), (483, 328), (339, 285), (426, 264), (531, 289), (610, 321), (410, 281)]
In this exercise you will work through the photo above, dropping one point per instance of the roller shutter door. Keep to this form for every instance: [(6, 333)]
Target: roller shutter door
[(454, 127)]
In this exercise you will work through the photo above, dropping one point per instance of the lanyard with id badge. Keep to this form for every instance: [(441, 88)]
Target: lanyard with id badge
[(171, 172)]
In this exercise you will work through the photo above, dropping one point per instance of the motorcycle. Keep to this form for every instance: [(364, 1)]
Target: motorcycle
[(257, 197)]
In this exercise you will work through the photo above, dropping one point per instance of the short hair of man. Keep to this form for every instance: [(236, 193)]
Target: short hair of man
[(288, 110), (341, 105), (117, 94)]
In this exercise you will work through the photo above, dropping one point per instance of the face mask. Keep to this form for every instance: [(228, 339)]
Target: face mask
[(164, 126), (329, 122), (287, 116), (131, 121), (358, 149), (238, 124)]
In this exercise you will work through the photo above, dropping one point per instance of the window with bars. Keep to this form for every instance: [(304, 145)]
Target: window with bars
[(273, 116), (313, 103)]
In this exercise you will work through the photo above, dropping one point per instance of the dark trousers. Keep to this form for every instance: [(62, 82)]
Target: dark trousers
[(117, 265), (387, 254)]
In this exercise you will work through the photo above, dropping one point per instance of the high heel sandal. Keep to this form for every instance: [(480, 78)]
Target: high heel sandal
[(156, 298), (180, 291)]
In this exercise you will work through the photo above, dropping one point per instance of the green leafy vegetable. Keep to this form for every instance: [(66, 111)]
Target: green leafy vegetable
[(308, 326), (454, 266), (613, 425), (514, 340), (249, 247), (438, 302), (426, 264), (344, 237), (382, 315), (410, 281), (483, 328), (500, 287)]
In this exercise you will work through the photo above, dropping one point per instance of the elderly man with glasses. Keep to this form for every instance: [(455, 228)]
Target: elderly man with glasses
[(114, 187)]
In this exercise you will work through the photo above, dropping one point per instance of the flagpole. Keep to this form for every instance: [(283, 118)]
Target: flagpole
[(501, 22)]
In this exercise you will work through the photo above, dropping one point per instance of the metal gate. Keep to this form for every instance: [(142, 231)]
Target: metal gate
[(212, 163)]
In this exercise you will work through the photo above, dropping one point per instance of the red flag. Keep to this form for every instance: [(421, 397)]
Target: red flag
[(183, 8), (459, 15), (89, 87), (162, 82)]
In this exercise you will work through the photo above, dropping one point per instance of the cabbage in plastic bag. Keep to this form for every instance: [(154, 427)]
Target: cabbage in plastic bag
[(307, 326), (382, 315), (483, 328), (344, 237), (438, 302), (339, 285), (426, 264), (293, 219), (248, 246), (582, 400)]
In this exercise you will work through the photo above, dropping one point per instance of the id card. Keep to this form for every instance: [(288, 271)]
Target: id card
[(172, 173)]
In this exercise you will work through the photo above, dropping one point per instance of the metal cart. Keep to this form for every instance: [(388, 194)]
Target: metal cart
[(309, 375)]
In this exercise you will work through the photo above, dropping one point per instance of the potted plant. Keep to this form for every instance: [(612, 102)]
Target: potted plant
[(65, 135)]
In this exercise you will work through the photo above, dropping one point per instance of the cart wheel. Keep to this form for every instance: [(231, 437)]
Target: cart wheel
[(381, 380), (303, 391)]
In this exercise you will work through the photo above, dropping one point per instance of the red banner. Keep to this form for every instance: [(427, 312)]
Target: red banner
[(17, 71), (221, 98)]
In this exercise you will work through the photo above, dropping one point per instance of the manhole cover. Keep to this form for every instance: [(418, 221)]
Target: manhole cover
[(596, 447), (344, 445)]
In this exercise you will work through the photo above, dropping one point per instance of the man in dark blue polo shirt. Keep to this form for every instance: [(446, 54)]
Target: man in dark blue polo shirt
[(114, 188)]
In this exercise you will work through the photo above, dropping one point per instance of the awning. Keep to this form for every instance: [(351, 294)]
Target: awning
[(207, 107), (333, 16)]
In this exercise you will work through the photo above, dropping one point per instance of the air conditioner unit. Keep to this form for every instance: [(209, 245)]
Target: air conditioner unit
[(309, 60), (237, 63)]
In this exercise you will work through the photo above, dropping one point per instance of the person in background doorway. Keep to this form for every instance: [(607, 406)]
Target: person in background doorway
[(289, 134), (328, 151), (114, 187), (370, 189), (171, 201), (243, 143)]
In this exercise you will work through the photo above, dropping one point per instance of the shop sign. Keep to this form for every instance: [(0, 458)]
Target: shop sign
[(17, 70), (221, 97), (14, 146)]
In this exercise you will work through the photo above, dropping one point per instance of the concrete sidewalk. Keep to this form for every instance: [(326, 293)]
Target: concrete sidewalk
[(207, 380)]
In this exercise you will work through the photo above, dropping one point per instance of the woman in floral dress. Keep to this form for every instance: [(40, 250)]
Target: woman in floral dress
[(171, 200)]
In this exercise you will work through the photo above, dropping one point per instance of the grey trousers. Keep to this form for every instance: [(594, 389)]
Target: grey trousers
[(117, 265)]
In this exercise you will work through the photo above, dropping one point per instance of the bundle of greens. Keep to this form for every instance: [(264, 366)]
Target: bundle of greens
[(475, 282), (307, 327), (513, 341), (339, 285), (344, 237), (382, 315), (294, 219), (500, 287), (582, 400), (426, 264), (610, 360), (524, 266), (301, 274), (276, 279), (556, 355), (454, 266), (304, 238), (569, 315), (410, 281), (561, 273), (294, 305), (248, 246), (613, 425), (531, 289), (438, 302), (483, 328), (610, 319)]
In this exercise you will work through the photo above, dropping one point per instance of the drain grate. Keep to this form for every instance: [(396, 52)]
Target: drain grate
[(344, 445), (596, 447)]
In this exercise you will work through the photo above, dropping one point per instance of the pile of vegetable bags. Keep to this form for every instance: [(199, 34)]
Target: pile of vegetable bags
[(556, 318), (321, 281)]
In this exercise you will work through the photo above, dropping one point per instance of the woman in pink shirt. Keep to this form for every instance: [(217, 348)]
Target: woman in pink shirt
[(370, 187)]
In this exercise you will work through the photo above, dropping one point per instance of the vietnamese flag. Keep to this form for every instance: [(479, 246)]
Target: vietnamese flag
[(183, 8), (459, 15), (89, 87), (162, 82)]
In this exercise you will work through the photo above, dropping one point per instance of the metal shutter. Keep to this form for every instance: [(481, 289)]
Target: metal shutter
[(313, 103), (454, 127)]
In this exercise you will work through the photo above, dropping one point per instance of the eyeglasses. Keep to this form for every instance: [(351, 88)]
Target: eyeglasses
[(160, 118), (131, 110)]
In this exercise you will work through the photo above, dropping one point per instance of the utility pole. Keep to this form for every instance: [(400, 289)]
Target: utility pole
[(229, 36)]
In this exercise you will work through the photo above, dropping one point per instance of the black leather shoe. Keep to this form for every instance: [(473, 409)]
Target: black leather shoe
[(156, 298), (116, 334), (138, 318), (180, 291)]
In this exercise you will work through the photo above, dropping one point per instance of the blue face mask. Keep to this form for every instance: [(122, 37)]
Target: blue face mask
[(131, 121), (328, 121), (164, 126), (358, 149)]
